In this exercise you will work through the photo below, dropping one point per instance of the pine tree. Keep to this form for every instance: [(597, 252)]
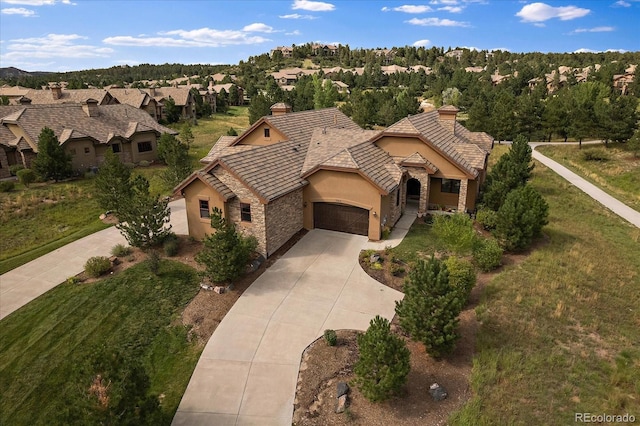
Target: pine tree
[(521, 218), (430, 308), (112, 186), (510, 172), (384, 361), (143, 217), (52, 162), (226, 252), (175, 155)]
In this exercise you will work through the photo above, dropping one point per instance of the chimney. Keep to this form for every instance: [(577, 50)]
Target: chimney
[(152, 91), (25, 101), (56, 92), (447, 117), (90, 107), (280, 108)]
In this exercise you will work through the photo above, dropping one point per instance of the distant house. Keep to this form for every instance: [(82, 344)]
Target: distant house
[(86, 131), (182, 97), (55, 94), (287, 52), (217, 88), (621, 81), (319, 169), (137, 98)]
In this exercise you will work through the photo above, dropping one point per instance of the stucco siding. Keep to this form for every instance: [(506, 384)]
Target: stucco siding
[(344, 188), (404, 147), (200, 227), (256, 137)]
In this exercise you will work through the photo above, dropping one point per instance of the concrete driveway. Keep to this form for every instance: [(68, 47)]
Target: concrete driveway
[(23, 284), (248, 370)]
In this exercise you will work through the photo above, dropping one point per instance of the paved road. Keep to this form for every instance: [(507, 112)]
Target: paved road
[(627, 213), (23, 284), (248, 371)]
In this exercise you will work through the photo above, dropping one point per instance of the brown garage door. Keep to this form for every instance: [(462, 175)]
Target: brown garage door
[(339, 217)]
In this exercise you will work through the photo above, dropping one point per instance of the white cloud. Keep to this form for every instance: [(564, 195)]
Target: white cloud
[(408, 8), (18, 11), (313, 6), (293, 33), (540, 12), (437, 22), (37, 2), (52, 46), (593, 30), (421, 43), (296, 16), (258, 28), (622, 3), (449, 2), (202, 37), (451, 9), (585, 50)]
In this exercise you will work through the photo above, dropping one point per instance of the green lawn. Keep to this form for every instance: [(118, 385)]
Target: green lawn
[(208, 130), (42, 218), (618, 175), (560, 332), (55, 346)]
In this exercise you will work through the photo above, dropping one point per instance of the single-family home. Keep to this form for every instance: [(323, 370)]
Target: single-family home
[(137, 98), (319, 169), (182, 97), (86, 131)]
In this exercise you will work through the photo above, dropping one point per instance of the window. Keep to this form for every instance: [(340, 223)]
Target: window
[(398, 197), (451, 186), (204, 209), (267, 133), (144, 147), (115, 148), (245, 212), (86, 150)]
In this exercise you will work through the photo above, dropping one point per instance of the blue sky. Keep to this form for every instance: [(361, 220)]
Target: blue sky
[(66, 35)]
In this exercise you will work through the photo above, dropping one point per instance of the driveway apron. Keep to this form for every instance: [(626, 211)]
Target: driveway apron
[(248, 371)]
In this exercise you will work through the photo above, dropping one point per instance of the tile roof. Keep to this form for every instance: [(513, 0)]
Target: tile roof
[(134, 97), (180, 95), (417, 159), (481, 139), (223, 147), (269, 171), (70, 120), (45, 97), (299, 126), (216, 184), (428, 126)]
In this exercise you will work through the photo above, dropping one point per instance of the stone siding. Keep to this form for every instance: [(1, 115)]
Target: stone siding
[(257, 226), (284, 219), (4, 164), (423, 177)]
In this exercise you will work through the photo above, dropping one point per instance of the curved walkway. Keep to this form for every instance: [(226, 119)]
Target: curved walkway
[(24, 283), (627, 213), (248, 371)]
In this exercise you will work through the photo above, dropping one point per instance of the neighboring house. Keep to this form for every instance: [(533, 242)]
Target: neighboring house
[(57, 95), (318, 169), (86, 131), (217, 88), (136, 98), (182, 97)]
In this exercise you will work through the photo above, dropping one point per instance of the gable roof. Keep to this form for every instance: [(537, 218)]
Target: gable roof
[(223, 146), (46, 97), (180, 95), (427, 127), (134, 97), (70, 121), (268, 171), (299, 126)]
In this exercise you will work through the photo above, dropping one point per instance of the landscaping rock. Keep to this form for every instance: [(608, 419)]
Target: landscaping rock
[(206, 286), (438, 393), (342, 404), (343, 389), (374, 258), (219, 289)]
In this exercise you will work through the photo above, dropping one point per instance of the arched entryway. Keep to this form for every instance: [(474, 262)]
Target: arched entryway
[(413, 189)]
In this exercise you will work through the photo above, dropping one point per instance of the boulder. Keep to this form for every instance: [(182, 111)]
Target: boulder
[(343, 389), (374, 258), (342, 404), (438, 393)]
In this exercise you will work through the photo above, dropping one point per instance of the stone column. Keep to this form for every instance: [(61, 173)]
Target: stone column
[(462, 196), (423, 206)]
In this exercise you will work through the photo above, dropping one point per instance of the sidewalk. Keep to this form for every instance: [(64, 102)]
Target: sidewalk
[(617, 207), (23, 284)]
